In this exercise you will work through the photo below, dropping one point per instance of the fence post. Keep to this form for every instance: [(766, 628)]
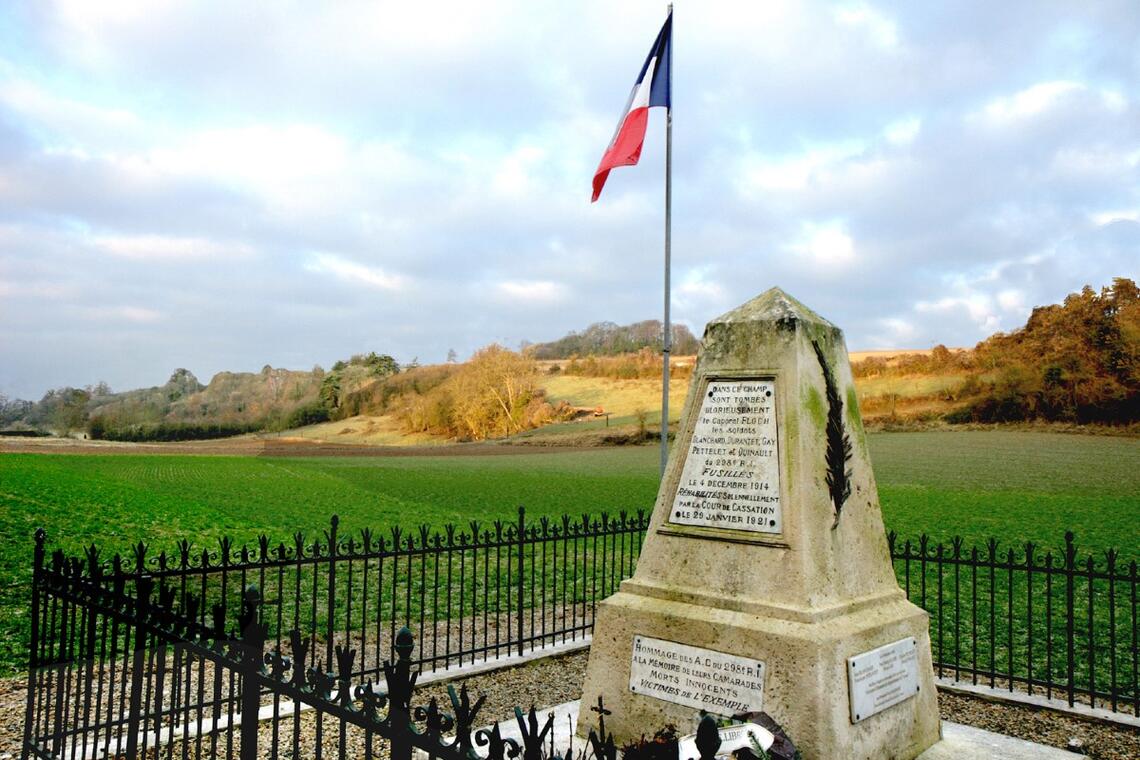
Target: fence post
[(253, 633), (401, 680), (34, 646), (519, 582), (332, 590), (1070, 612), (143, 587)]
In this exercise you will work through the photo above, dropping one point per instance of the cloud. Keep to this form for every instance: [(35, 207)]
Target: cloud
[(766, 174), (251, 178), (827, 247), (354, 273), (165, 248), (903, 131), (698, 288), (880, 29), (1044, 98), (976, 303), (136, 314), (69, 121), (543, 292)]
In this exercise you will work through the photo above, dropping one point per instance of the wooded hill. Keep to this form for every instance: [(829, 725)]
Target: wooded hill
[(184, 409), (1078, 361), (609, 339)]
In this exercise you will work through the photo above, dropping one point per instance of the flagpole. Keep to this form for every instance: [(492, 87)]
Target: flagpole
[(667, 343)]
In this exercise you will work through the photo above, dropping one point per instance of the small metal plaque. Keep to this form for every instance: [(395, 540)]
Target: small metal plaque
[(882, 678), (717, 682), (731, 475)]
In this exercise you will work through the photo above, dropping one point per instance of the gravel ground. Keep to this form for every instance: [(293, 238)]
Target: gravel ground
[(556, 680)]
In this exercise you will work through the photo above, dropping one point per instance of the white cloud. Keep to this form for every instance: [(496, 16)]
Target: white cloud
[(536, 292), (515, 175), (884, 333), (767, 173), (130, 314), (1028, 103), (903, 131), (51, 291), (273, 158), (1096, 160), (868, 157), (828, 247), (699, 288), (357, 274), (166, 248), (1101, 218), (880, 29), (1012, 300), (1038, 100), (978, 307), (70, 122)]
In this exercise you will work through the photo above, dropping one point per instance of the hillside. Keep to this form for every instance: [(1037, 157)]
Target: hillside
[(1076, 362), (609, 339)]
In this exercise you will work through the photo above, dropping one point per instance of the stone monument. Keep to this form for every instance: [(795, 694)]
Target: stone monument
[(765, 581)]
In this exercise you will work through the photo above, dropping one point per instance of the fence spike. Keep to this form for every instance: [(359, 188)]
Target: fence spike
[(464, 713), (299, 646), (533, 736), (435, 722), (498, 748)]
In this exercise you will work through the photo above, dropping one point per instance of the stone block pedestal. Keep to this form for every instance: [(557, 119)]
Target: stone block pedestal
[(806, 680), (765, 582)]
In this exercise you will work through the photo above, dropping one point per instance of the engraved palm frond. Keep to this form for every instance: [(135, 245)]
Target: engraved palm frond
[(838, 474)]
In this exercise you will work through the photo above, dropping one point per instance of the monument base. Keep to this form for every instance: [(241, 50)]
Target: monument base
[(805, 677)]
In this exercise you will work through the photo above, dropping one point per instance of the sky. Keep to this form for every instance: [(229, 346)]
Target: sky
[(221, 186)]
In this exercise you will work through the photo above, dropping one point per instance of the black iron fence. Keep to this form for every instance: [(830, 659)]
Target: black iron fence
[(212, 691), (1058, 626), (117, 654), (134, 655)]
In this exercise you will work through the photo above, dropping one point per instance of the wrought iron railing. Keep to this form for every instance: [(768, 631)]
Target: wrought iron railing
[(117, 645), (1058, 626), (474, 595), (474, 592), (248, 702)]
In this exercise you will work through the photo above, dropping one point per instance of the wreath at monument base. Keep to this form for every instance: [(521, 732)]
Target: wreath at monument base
[(753, 736)]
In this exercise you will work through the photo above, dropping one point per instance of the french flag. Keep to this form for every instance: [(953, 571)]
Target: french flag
[(651, 89)]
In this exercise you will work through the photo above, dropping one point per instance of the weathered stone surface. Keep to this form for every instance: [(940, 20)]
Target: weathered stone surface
[(801, 600)]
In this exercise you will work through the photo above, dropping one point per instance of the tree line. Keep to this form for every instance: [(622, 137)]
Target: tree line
[(1077, 361), (609, 339)]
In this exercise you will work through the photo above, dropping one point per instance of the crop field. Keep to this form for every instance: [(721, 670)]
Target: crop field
[(1014, 486), (622, 398)]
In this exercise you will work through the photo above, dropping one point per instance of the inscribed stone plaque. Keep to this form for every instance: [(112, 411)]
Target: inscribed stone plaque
[(699, 678), (731, 476), (882, 678)]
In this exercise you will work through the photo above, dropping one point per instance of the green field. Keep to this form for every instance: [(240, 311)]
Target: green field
[(1015, 486)]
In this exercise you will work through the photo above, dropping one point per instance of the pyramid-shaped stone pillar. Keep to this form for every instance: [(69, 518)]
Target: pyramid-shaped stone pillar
[(765, 581)]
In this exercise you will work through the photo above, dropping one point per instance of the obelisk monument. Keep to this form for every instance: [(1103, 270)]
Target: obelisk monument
[(765, 581)]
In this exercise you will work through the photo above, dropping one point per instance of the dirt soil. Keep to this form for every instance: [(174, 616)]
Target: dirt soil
[(267, 447)]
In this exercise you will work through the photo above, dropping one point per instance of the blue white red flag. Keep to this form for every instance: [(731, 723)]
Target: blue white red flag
[(651, 89)]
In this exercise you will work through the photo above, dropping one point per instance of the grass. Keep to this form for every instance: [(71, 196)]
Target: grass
[(372, 430), (621, 398), (1015, 486)]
